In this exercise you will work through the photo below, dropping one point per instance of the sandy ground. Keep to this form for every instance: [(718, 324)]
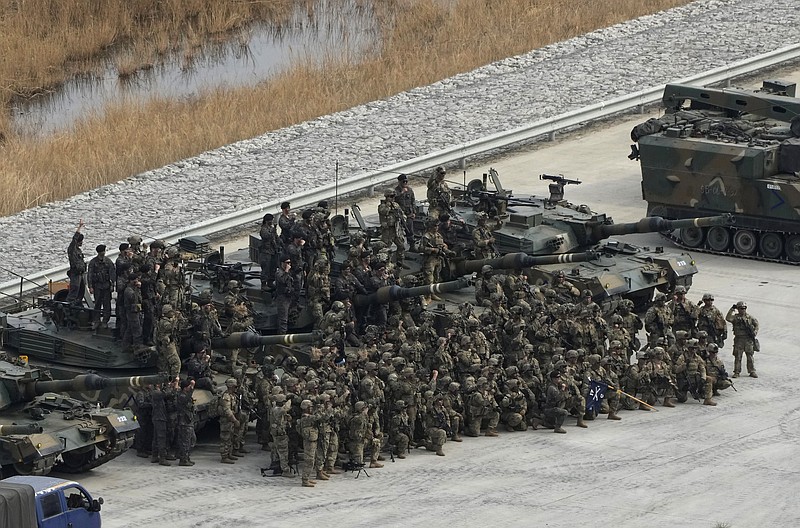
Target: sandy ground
[(731, 465)]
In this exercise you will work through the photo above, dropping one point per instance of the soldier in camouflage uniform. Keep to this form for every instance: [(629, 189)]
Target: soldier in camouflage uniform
[(160, 443), (271, 246), (482, 407), (555, 406), (324, 413), (745, 330), (228, 421), (483, 239), (169, 361), (279, 423), (357, 432), (406, 200), (399, 429), (715, 370), (439, 196), (308, 429), (393, 220), (77, 268), (133, 311), (655, 377), (684, 313), (101, 279), (318, 290), (690, 375), (514, 407), (710, 320), (658, 320), (434, 249), (186, 418), (437, 425), (632, 323), (374, 437)]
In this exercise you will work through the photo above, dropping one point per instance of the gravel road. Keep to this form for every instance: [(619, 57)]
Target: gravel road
[(649, 51)]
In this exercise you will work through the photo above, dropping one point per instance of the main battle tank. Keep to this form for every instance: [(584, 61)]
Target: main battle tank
[(552, 226), (41, 430), (726, 151)]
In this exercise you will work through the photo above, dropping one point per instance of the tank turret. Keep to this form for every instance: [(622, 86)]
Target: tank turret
[(724, 150), (41, 429)]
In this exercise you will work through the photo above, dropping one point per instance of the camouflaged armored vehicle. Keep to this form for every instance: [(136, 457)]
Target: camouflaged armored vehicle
[(722, 150), (542, 226), (41, 429)]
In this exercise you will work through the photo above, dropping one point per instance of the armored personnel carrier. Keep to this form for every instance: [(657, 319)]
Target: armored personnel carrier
[(41, 430), (720, 150), (552, 226)]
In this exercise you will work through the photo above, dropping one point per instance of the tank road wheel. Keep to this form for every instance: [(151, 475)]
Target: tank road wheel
[(692, 236), (719, 238), (74, 461), (745, 242), (793, 248), (771, 245)]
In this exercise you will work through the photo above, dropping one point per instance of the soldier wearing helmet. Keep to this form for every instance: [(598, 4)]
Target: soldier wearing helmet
[(564, 289), (690, 375), (434, 250), (393, 220), (658, 320), (357, 432), (655, 377), (228, 421), (268, 250), (439, 195), (318, 289), (715, 370), (483, 239), (399, 429), (710, 319), (745, 330), (684, 313), (482, 407), (308, 429), (404, 195)]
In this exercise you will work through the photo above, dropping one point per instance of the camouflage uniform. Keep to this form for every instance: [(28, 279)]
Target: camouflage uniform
[(392, 219), (684, 313), (655, 376), (439, 196), (186, 418), (745, 330), (514, 407), (268, 251), (483, 240), (399, 430), (357, 432), (166, 331), (160, 444), (710, 320), (434, 249), (437, 426), (229, 411), (482, 407), (658, 321), (555, 406), (101, 278), (406, 200), (133, 313), (318, 291), (308, 429), (77, 269), (279, 423), (690, 374)]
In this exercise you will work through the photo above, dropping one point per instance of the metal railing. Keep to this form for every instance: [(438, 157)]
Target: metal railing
[(547, 127)]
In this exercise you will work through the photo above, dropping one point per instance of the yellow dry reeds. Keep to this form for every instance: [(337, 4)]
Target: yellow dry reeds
[(422, 41)]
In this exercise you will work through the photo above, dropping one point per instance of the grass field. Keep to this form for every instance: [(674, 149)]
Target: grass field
[(422, 41)]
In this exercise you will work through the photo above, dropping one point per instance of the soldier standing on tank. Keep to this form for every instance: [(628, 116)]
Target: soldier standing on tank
[(710, 320), (77, 268), (285, 293), (123, 266), (286, 222), (228, 421), (318, 290), (745, 330), (171, 275), (439, 196), (407, 202), (133, 312), (393, 220), (169, 362), (101, 279), (268, 251), (483, 239), (434, 249)]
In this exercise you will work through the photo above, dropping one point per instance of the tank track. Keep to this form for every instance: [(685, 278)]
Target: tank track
[(121, 444), (703, 248)]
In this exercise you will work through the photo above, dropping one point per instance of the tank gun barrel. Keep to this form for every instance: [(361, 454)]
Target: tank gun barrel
[(20, 429), (389, 294), (652, 224), (519, 261), (252, 340), (89, 382)]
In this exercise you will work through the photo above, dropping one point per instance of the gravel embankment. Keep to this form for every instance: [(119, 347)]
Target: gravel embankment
[(649, 51)]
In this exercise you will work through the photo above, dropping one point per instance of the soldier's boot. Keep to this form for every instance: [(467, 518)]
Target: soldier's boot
[(322, 476), (330, 470), (401, 456), (668, 402), (715, 393), (143, 454), (613, 416), (735, 375), (709, 401), (232, 455), (154, 459), (491, 432), (643, 407), (243, 450), (559, 429), (457, 438), (185, 462), (307, 483), (375, 464), (164, 462), (287, 474), (439, 451), (170, 456), (510, 428), (589, 416), (381, 458), (753, 374), (227, 460), (581, 422)]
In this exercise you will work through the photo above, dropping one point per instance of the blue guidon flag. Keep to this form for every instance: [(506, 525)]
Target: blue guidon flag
[(597, 391)]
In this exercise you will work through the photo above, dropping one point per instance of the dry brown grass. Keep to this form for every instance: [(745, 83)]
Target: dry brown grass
[(423, 41)]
